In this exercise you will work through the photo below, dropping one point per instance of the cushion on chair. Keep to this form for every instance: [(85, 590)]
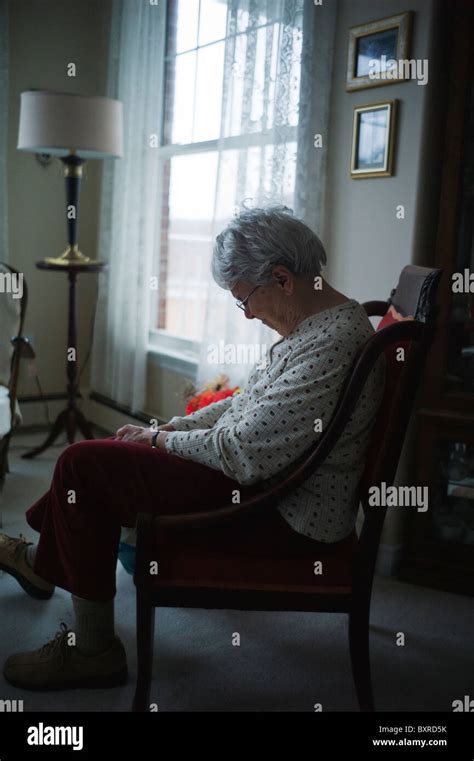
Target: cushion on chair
[(253, 554), (5, 413), (392, 316)]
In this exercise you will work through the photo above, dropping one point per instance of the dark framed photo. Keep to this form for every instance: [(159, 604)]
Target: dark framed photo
[(373, 137), (378, 50)]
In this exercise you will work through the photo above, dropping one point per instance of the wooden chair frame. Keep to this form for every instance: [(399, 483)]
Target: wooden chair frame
[(354, 600)]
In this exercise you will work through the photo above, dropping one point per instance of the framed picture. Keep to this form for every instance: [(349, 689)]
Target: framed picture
[(376, 51), (373, 136)]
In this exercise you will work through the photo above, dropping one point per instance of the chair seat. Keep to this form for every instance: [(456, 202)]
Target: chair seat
[(266, 555)]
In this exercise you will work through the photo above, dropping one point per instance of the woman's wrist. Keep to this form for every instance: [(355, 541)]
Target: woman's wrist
[(158, 439)]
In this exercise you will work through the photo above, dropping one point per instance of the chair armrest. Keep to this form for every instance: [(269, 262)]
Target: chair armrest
[(376, 308), (211, 518)]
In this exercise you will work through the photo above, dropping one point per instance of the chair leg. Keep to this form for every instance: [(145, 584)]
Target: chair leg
[(145, 642), (360, 656)]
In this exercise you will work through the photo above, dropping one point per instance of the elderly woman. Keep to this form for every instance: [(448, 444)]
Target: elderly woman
[(271, 263)]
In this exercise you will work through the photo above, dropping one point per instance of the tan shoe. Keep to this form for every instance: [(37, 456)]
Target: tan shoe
[(59, 665), (13, 561)]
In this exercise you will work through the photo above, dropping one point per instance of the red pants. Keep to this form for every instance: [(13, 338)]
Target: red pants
[(99, 486)]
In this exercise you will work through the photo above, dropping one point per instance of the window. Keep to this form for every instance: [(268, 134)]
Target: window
[(225, 137)]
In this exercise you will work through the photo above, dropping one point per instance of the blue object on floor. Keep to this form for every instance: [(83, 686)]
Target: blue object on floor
[(126, 555)]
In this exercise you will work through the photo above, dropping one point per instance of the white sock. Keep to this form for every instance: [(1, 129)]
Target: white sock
[(94, 625), (31, 554)]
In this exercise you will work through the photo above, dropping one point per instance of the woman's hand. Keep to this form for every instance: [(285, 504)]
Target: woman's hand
[(141, 435), (135, 433)]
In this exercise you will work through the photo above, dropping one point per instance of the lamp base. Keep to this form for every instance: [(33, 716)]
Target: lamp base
[(71, 256)]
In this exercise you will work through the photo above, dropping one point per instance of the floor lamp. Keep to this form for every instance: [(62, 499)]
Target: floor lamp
[(74, 128)]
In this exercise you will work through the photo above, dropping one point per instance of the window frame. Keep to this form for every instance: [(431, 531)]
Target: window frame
[(170, 351)]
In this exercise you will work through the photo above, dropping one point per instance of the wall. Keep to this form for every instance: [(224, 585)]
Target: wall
[(367, 245), (45, 35)]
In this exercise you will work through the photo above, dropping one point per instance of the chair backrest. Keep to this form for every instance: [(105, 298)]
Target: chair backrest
[(411, 314), (412, 300), (415, 293)]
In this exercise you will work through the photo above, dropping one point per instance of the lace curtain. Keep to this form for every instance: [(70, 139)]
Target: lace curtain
[(276, 94), (130, 197)]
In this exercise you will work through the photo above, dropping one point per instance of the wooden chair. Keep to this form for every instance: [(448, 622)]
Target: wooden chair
[(226, 566), (13, 346)]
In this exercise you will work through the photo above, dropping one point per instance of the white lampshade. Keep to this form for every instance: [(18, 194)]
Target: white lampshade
[(58, 123)]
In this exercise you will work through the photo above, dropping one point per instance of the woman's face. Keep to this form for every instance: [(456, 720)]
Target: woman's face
[(254, 296), (267, 303)]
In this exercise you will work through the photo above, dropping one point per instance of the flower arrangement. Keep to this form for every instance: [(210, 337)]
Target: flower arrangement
[(212, 391)]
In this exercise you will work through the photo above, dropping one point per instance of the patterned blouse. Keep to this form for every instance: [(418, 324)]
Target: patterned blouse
[(257, 435)]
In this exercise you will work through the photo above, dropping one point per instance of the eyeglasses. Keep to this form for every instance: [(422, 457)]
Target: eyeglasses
[(243, 304)]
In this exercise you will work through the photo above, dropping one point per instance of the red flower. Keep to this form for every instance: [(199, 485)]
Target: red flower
[(208, 397)]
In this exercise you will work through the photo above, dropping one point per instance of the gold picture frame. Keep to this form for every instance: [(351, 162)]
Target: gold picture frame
[(374, 44), (373, 140)]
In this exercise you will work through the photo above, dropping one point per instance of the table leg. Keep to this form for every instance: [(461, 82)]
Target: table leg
[(58, 426), (70, 419)]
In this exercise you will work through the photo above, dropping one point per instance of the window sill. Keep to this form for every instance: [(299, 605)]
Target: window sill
[(176, 361), (173, 353)]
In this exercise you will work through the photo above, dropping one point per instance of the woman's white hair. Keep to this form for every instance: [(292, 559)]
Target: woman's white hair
[(257, 240)]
